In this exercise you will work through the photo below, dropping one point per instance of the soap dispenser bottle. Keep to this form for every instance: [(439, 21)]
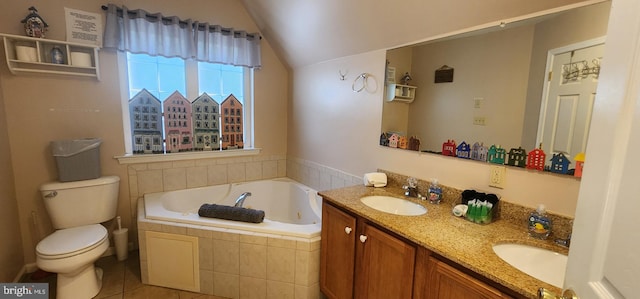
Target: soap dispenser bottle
[(435, 192), (539, 223)]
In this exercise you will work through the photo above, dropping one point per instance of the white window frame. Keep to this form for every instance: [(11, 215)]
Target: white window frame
[(191, 76)]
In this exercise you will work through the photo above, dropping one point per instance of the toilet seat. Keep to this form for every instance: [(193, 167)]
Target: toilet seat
[(72, 241)]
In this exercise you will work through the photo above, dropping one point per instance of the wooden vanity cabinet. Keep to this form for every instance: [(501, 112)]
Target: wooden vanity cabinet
[(385, 265), (359, 260), (337, 253), (447, 282), (437, 279)]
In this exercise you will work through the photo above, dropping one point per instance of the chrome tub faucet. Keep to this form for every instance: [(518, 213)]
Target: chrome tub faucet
[(241, 198)]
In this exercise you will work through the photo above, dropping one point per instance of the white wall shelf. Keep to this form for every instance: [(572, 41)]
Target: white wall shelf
[(86, 56), (400, 93)]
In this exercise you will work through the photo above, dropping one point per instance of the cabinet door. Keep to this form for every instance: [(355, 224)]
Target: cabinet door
[(337, 253), (385, 265), (447, 282)]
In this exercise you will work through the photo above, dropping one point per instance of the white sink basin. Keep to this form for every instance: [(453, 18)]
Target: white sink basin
[(542, 264), (393, 205)]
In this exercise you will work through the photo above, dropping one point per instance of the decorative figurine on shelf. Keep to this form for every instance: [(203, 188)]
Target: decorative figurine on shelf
[(393, 140), (34, 25), (496, 154), (517, 157), (449, 148), (464, 150), (402, 142), (406, 78), (414, 143), (579, 158), (479, 152), (56, 55), (536, 158), (384, 139), (560, 163)]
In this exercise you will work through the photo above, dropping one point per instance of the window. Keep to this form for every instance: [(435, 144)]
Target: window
[(159, 95)]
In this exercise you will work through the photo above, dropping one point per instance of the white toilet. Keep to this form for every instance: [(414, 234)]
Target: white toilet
[(76, 210)]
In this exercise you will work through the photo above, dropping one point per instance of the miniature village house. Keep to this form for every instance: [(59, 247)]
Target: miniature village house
[(145, 113), (206, 129), (560, 163), (449, 148), (479, 152), (535, 159), (393, 140), (414, 143), (579, 158), (464, 150), (402, 142), (517, 157), (177, 123), (384, 140), (231, 123), (496, 154)]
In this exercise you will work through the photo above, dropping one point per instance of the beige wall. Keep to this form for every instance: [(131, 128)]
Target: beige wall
[(493, 66), (11, 257), (44, 108)]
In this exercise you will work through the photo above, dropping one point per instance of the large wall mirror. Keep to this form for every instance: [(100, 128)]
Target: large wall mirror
[(500, 90)]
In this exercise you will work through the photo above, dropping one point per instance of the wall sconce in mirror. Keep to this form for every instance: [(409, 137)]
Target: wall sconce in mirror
[(444, 74)]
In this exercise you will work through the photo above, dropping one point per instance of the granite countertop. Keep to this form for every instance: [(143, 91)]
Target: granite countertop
[(461, 241)]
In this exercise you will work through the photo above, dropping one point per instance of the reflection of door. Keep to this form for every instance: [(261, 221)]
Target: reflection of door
[(566, 110), (604, 261)]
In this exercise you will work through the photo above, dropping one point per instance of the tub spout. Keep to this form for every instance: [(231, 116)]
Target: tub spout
[(241, 198)]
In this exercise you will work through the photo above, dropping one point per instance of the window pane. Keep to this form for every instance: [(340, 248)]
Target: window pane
[(219, 81), (161, 76), (171, 127)]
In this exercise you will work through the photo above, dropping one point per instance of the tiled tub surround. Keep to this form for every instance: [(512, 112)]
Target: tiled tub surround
[(278, 258), (242, 264)]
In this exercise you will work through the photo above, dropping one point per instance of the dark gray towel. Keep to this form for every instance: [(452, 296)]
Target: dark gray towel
[(231, 213)]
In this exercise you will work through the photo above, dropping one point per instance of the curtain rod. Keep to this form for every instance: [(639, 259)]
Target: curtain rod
[(200, 26)]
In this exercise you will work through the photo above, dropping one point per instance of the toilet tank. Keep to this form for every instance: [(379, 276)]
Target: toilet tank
[(72, 204)]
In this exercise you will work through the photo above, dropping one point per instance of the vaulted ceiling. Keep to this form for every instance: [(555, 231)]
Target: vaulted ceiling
[(306, 32)]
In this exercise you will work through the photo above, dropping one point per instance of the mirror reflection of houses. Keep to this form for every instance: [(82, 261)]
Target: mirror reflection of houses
[(177, 123), (206, 130), (231, 123), (145, 113)]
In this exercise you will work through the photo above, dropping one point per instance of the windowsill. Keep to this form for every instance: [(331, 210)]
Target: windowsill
[(149, 158)]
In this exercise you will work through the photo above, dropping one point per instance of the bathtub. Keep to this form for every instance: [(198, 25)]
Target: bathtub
[(181, 250), (291, 209)]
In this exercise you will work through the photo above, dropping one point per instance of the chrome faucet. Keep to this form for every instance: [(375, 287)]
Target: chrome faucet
[(411, 189), (564, 242), (241, 198)]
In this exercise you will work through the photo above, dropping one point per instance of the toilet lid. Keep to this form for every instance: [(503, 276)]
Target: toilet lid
[(71, 240)]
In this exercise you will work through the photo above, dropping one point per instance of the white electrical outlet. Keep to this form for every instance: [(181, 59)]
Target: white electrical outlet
[(497, 176)]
